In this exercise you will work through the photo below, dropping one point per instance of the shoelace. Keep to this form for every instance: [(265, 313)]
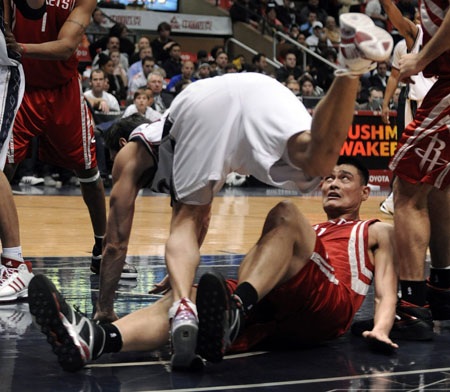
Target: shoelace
[(6, 273)]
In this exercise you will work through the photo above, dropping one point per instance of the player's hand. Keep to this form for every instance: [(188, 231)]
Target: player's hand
[(385, 115), (379, 341), (409, 65), (106, 317), (11, 42), (162, 287)]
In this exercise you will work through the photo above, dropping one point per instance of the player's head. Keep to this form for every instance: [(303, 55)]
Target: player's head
[(117, 135), (345, 188)]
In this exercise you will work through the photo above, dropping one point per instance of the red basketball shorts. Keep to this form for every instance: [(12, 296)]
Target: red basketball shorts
[(423, 152), (61, 120), (308, 308)]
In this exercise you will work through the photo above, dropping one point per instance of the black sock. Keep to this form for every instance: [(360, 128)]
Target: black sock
[(247, 294), (414, 292), (440, 277), (98, 242), (113, 339)]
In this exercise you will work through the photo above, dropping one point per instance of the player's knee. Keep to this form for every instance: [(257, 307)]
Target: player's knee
[(284, 213)]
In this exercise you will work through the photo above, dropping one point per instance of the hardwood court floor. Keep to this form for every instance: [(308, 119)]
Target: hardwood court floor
[(57, 238), (60, 225)]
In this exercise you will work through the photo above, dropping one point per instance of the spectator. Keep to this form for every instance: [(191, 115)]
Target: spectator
[(162, 44), (313, 40), (381, 76), (324, 72), (181, 85), (394, 102), (286, 13), (113, 43), (239, 61), (294, 31), (259, 61), (118, 70), (313, 5), (332, 32), (187, 72), (98, 98), (142, 101), (240, 12), (307, 87), (374, 10), (136, 67), (294, 86), (221, 62), (231, 68), (95, 28), (141, 78), (272, 19), (116, 86), (172, 65), (202, 57), (289, 68), (306, 27), (143, 42), (216, 50), (162, 99), (375, 101), (203, 71)]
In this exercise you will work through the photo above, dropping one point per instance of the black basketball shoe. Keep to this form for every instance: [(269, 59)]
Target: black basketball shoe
[(128, 272), (439, 300), (412, 322), (74, 338), (221, 317)]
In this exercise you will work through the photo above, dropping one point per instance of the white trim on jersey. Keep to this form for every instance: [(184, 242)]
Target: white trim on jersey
[(357, 257), (429, 26), (423, 131), (326, 268)]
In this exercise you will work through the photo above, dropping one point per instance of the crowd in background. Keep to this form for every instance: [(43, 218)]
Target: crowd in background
[(144, 76)]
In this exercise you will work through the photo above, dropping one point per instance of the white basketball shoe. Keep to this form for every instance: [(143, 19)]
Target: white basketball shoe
[(362, 44), (15, 277)]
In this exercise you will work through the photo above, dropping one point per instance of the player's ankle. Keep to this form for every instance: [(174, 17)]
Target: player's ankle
[(439, 277), (414, 292)]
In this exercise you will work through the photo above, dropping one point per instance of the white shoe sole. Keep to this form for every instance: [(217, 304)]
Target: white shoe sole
[(15, 296), (184, 342)]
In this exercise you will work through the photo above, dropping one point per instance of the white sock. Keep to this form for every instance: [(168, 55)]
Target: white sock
[(13, 253)]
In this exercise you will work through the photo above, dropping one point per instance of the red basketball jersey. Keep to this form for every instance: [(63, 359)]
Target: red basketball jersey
[(346, 244), (432, 13), (45, 73)]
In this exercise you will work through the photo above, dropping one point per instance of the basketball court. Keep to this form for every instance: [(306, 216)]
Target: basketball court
[(56, 232)]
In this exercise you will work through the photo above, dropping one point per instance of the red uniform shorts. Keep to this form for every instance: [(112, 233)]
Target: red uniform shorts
[(61, 120), (308, 308), (423, 152)]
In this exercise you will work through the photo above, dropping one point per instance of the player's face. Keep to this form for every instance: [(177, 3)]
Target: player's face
[(343, 190)]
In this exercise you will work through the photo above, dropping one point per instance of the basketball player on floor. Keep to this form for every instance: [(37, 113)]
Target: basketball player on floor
[(225, 124), (313, 279)]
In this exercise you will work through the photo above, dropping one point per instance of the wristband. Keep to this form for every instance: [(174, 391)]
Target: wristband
[(24, 50)]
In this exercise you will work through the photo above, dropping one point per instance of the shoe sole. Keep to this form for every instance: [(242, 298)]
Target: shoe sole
[(212, 304), (417, 330), (21, 294), (95, 269), (184, 341), (45, 303)]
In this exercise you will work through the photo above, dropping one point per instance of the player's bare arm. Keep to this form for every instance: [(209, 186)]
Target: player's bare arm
[(382, 251), (130, 168), (69, 36), (413, 63), (316, 152), (391, 85), (407, 29)]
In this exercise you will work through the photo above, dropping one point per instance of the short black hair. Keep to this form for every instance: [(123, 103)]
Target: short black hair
[(362, 170), (123, 128), (163, 26)]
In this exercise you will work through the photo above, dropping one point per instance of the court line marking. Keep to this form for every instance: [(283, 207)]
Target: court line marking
[(151, 363), (298, 382), (139, 267), (422, 387)]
